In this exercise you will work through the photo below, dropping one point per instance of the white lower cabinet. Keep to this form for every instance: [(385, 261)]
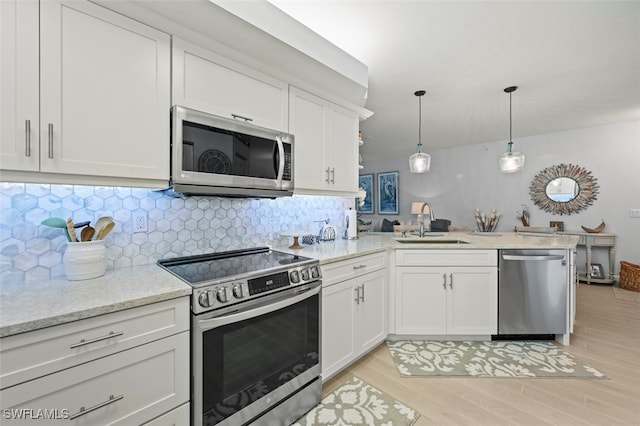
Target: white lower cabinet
[(353, 311), (446, 300), (123, 385)]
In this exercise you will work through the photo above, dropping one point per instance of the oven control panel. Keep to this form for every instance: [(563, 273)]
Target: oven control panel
[(236, 291)]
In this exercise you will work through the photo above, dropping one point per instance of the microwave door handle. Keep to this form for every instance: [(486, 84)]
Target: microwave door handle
[(281, 160)]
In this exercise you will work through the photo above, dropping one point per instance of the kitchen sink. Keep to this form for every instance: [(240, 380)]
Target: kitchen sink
[(431, 240)]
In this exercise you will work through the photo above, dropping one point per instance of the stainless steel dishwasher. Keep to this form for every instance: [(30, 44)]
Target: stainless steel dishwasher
[(532, 292)]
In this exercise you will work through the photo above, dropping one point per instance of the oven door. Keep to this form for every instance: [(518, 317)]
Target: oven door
[(248, 358)]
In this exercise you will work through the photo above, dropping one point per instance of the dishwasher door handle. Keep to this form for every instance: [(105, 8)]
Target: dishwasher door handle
[(533, 257)]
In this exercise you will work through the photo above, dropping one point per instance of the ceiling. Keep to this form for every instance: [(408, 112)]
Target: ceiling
[(576, 64)]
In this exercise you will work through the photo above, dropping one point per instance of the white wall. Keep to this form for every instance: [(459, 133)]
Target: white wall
[(467, 177)]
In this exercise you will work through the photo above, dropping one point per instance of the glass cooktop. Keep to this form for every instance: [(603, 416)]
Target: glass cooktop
[(218, 266)]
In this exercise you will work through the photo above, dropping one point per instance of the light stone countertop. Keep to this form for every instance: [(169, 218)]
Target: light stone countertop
[(340, 249), (33, 305)]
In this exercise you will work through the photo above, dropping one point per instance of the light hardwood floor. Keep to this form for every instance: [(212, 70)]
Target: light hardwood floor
[(606, 337)]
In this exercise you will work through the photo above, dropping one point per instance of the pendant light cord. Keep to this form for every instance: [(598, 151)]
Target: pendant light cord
[(510, 124), (420, 122)]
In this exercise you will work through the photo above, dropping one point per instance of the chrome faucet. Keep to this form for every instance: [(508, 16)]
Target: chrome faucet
[(431, 219)]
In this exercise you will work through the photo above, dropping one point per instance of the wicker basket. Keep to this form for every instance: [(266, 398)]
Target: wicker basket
[(629, 276)]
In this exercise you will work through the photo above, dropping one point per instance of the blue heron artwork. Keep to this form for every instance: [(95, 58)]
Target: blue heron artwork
[(388, 193), (366, 183)]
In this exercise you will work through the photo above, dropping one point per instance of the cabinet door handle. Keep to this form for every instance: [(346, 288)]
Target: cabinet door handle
[(327, 172), (357, 290), (451, 281), (444, 281), (236, 116), (84, 411), (359, 267), (333, 175), (27, 138), (50, 140), (96, 339)]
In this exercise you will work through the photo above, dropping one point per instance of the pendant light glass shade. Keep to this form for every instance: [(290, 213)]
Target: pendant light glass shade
[(511, 161), (420, 162)]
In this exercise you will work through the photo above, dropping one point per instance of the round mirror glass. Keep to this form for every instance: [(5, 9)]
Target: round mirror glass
[(562, 190)]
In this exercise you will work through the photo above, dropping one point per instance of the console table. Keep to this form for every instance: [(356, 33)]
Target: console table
[(588, 240)]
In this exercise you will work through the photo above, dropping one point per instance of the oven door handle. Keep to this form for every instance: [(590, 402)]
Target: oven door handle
[(235, 316)]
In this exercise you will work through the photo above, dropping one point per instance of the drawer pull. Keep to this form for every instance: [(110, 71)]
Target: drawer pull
[(444, 281), (451, 281), (84, 411), (359, 267), (96, 339), (357, 290), (241, 117), (327, 172), (362, 300)]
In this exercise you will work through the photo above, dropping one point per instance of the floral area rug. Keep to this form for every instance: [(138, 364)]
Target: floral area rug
[(520, 359), (358, 403)]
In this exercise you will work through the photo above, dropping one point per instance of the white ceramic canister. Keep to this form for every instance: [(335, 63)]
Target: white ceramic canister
[(85, 260)]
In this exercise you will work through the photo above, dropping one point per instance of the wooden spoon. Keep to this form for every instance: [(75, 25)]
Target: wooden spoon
[(102, 221), (102, 232), (87, 233)]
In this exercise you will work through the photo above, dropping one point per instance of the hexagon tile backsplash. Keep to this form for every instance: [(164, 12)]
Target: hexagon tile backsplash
[(175, 226)]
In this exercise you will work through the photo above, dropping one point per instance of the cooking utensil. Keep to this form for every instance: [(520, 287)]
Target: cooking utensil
[(105, 229), (81, 224), (56, 222), (72, 231), (102, 221), (87, 233)]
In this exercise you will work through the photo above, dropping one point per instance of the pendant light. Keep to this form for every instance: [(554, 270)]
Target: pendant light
[(420, 162), (511, 161)]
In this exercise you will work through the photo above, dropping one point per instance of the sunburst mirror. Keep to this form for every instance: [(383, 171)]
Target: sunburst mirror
[(564, 189)]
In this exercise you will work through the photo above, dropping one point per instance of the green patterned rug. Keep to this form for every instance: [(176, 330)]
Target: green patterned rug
[(358, 403), (520, 359)]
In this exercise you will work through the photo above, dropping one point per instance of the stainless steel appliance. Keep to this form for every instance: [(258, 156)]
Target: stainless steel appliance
[(533, 292), (255, 354), (213, 155)]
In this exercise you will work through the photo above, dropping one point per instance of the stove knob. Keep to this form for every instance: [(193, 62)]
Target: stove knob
[(314, 272), (305, 274), (206, 299), (295, 277), (221, 295), (237, 291)]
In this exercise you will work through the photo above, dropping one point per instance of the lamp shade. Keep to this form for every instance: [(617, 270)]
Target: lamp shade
[(419, 162), (511, 162), (416, 207)]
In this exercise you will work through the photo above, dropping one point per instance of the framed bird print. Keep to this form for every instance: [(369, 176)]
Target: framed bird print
[(366, 183), (388, 193)]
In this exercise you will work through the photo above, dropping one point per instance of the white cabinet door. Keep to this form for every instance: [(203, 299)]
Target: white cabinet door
[(19, 73), (343, 145), (326, 147), (472, 300), (208, 82), (338, 330), (105, 93), (308, 124), (421, 300), (372, 317)]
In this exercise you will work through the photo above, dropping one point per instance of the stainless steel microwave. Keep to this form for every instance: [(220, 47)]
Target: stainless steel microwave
[(212, 155)]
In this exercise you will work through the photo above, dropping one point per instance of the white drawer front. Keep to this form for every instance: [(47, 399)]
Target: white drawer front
[(177, 417), (446, 257), (127, 388), (31, 355), (340, 271)]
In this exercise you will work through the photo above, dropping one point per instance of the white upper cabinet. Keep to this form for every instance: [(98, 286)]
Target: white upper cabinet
[(208, 82), (104, 95), (19, 109), (326, 147)]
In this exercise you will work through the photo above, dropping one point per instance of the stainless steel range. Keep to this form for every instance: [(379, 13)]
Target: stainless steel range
[(255, 333)]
